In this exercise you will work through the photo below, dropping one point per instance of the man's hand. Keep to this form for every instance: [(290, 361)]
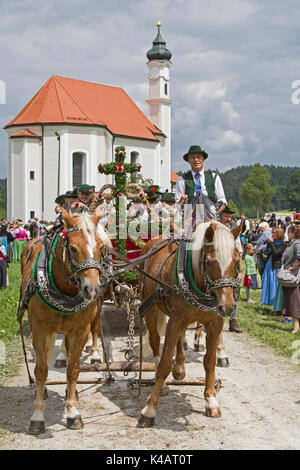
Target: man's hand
[(184, 199), (222, 207)]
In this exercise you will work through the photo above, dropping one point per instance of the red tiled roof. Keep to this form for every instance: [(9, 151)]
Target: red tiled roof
[(25, 133), (65, 100), (174, 177)]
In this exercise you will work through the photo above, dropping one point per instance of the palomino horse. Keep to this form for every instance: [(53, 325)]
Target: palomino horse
[(214, 259), (75, 272)]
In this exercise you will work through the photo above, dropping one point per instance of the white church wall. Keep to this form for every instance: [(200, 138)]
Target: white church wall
[(50, 171), (9, 189), (33, 178), (148, 155), (17, 169)]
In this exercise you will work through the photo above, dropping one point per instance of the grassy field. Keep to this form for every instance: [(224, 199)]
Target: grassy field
[(258, 320), (9, 327)]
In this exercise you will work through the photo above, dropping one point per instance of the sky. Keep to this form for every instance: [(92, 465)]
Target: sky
[(234, 66)]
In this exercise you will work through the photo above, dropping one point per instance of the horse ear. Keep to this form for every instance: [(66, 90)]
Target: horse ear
[(236, 231), (209, 234), (67, 218)]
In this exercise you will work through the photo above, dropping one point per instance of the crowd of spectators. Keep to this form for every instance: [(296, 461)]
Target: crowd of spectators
[(13, 236), (268, 245)]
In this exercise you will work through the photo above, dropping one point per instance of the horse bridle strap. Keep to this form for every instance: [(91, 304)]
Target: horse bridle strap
[(76, 268)]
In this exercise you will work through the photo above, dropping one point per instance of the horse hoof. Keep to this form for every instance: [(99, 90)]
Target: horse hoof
[(213, 412), (75, 423), (37, 427), (199, 348), (59, 364), (144, 422), (223, 362), (178, 375)]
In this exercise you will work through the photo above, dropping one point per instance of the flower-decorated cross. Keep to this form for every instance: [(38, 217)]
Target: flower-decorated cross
[(119, 169)]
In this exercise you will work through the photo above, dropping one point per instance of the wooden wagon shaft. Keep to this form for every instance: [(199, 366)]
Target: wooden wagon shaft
[(149, 382), (120, 366)]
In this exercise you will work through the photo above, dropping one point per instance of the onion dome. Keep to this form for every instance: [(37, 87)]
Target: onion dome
[(159, 51)]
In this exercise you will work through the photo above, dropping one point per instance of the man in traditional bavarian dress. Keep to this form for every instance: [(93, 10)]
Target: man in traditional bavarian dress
[(197, 182)]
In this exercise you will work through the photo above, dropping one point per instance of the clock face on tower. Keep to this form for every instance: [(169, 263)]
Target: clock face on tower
[(154, 72)]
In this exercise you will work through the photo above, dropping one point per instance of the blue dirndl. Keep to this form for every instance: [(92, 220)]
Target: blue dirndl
[(269, 284)]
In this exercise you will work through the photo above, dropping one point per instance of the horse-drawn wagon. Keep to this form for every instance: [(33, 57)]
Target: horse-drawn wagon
[(65, 280)]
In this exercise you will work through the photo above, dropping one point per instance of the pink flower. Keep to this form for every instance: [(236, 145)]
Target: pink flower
[(62, 235)]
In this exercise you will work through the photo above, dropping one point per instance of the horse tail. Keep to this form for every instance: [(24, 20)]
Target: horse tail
[(161, 322)]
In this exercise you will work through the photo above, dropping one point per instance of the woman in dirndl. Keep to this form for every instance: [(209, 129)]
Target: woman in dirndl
[(275, 248), (21, 238)]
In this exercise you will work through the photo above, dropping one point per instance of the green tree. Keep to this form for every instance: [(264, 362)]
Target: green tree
[(256, 192), (292, 190)]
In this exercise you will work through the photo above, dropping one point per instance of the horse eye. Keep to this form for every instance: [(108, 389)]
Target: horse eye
[(73, 249)]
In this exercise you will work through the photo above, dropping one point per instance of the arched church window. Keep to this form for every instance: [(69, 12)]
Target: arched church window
[(134, 157), (79, 162)]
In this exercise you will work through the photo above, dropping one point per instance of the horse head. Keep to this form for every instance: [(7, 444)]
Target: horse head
[(216, 266), (82, 244)]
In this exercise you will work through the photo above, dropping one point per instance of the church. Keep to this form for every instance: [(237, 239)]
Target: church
[(70, 126)]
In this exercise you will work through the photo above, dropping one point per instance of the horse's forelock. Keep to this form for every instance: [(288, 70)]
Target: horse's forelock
[(85, 222), (223, 241)]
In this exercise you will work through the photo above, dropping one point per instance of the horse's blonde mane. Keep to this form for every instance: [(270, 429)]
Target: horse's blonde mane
[(224, 244), (86, 224)]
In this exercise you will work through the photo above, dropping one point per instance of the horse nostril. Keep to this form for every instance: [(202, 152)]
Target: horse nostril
[(221, 310)]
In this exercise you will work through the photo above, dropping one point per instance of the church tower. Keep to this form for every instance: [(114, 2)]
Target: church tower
[(159, 104)]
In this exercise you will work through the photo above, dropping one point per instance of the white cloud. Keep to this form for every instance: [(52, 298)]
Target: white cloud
[(230, 116), (225, 141), (204, 89)]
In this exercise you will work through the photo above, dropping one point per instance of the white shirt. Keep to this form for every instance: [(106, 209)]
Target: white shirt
[(286, 234), (210, 206), (247, 224)]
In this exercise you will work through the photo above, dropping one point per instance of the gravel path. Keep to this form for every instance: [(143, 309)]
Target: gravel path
[(260, 403)]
